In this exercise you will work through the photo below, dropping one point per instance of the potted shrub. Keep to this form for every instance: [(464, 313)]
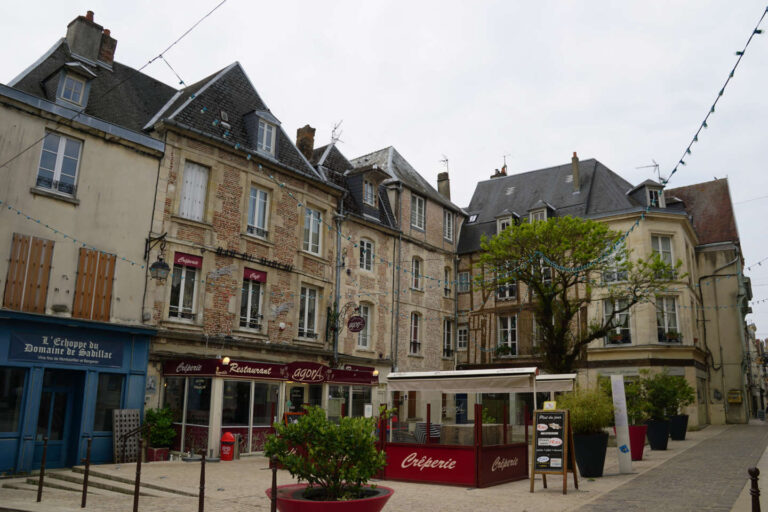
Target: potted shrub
[(684, 396), (161, 433), (672, 336), (591, 411), (503, 350), (332, 462), (661, 391)]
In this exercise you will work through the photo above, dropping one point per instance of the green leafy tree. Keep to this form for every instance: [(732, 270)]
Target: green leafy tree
[(583, 252), (161, 432), (336, 460)]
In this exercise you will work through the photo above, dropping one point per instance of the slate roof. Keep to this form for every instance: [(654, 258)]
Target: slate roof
[(601, 192), (123, 96), (230, 91), (393, 163), (709, 204), (334, 165)]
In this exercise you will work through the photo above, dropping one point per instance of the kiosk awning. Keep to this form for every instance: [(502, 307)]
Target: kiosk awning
[(497, 380), (555, 382)]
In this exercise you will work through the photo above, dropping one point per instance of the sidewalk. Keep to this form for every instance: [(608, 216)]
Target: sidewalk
[(240, 485)]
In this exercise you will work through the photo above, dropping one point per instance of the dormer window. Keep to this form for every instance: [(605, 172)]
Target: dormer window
[(73, 90), (369, 193), (655, 198), (266, 137), (540, 214), (504, 223)]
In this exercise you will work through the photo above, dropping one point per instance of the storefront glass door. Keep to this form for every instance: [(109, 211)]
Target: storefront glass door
[(58, 418)]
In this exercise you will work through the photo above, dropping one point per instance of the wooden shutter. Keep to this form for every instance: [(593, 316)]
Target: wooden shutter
[(29, 268), (93, 290), (195, 182)]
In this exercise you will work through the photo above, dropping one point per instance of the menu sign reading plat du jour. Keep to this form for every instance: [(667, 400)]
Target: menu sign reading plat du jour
[(550, 439)]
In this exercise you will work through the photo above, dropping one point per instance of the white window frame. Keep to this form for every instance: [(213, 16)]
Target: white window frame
[(508, 332), (447, 279), (194, 190), (448, 225), (366, 254), (308, 321), (447, 337), (507, 291), (622, 333), (364, 336), (667, 318), (462, 337), (417, 282), (536, 333), (248, 321), (464, 282), (656, 196), (55, 183), (180, 310), (265, 140), (418, 212), (258, 218), (503, 223), (612, 274), (75, 81), (539, 214), (312, 232), (414, 347), (666, 256), (369, 193)]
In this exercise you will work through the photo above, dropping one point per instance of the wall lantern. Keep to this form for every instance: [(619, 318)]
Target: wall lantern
[(158, 270)]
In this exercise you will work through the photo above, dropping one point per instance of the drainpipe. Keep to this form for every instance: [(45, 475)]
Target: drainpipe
[(337, 292), (396, 330), (456, 305), (149, 233)]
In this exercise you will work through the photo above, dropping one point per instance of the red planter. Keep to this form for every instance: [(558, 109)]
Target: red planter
[(289, 499), (157, 454), (637, 440)]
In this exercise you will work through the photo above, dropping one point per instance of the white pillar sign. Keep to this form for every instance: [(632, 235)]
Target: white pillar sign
[(620, 419)]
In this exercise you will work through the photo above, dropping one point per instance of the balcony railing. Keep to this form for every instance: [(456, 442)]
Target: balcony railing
[(254, 322)]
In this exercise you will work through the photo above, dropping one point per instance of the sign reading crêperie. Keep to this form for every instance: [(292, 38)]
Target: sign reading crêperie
[(356, 323)]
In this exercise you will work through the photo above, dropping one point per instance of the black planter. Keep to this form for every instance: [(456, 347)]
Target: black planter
[(658, 434), (590, 453), (678, 425)]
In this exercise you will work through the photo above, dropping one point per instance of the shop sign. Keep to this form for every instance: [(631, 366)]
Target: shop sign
[(214, 367), (431, 464), (187, 260), (364, 377), (356, 323), (50, 348), (499, 464), (305, 371)]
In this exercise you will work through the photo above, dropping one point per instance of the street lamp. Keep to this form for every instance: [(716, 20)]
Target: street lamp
[(159, 269)]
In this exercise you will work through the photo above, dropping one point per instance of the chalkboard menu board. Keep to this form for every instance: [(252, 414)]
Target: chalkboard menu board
[(550, 441), (553, 447)]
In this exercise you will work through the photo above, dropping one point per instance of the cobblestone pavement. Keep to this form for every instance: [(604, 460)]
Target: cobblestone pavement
[(707, 477), (707, 471)]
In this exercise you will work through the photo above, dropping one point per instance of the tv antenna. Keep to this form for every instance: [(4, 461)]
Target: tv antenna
[(444, 161), (336, 133), (655, 167)]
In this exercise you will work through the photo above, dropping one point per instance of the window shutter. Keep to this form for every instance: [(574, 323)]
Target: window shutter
[(17, 271), (93, 291), (193, 191)]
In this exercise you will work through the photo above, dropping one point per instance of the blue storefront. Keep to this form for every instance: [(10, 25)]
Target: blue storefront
[(61, 378)]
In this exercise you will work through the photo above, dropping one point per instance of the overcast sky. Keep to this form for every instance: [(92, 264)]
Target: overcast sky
[(623, 82)]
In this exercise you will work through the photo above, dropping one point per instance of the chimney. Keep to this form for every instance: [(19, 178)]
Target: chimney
[(84, 36), (575, 170), (444, 185), (305, 141), (107, 48)]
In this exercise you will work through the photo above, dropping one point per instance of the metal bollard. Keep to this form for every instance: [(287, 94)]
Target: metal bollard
[(201, 499), (87, 470), (137, 484), (42, 470), (754, 491), (273, 497)]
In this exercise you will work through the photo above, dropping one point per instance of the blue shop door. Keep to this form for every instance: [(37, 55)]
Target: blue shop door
[(59, 418)]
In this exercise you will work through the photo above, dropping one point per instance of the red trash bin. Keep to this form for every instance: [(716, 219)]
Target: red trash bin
[(227, 446)]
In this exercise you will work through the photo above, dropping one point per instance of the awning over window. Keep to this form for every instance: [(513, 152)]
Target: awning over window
[(501, 380)]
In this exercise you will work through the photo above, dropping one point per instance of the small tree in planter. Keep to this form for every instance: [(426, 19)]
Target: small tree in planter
[(661, 390), (161, 433), (591, 411), (335, 460), (678, 421)]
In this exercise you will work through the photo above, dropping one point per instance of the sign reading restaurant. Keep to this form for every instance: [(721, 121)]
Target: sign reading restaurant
[(50, 348)]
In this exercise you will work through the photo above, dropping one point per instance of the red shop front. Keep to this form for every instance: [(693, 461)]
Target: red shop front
[(208, 397), (461, 447)]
